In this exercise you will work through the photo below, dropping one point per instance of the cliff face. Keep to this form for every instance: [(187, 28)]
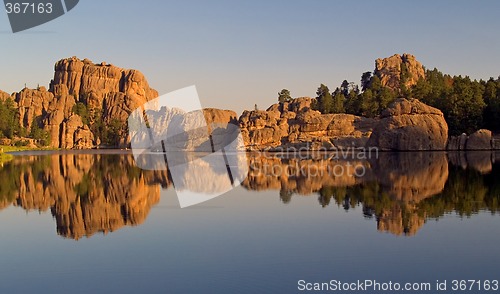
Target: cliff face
[(399, 69), (108, 93)]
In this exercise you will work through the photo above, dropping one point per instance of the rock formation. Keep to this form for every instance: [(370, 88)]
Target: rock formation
[(101, 193), (295, 124), (302, 176), (108, 94), (3, 96), (87, 105), (389, 186), (409, 124), (399, 70), (479, 140)]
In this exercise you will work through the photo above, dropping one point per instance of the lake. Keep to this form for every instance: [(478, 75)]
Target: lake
[(93, 222)]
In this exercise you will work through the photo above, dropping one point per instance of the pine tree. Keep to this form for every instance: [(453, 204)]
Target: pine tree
[(324, 100), (284, 96)]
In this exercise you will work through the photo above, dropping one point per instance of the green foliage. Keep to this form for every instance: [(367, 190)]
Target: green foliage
[(365, 80), (286, 196), (491, 97), (96, 123), (81, 109), (344, 88), (42, 136), (284, 96), (9, 121), (338, 101), (21, 143), (5, 158), (111, 133), (324, 100), (463, 102), (353, 103), (403, 79), (375, 98)]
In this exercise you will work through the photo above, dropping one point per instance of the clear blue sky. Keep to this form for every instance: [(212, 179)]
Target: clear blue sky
[(243, 52)]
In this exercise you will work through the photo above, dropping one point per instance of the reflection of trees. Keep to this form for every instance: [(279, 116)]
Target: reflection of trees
[(90, 193), (286, 196), (399, 190), (467, 192), (391, 214)]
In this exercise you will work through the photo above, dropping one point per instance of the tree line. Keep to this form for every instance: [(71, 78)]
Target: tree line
[(467, 104)]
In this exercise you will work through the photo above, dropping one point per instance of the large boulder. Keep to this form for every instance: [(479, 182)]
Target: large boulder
[(214, 117), (408, 125), (457, 143), (495, 142), (480, 140)]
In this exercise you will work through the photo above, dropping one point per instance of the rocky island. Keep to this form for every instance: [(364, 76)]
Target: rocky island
[(87, 105)]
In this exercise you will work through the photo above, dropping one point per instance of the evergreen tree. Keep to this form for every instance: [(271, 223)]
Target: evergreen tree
[(491, 97), (284, 96), (324, 100), (365, 80), (353, 103), (344, 88), (9, 120), (338, 102), (369, 107)]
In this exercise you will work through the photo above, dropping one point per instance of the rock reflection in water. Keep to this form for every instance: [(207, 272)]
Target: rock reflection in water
[(400, 190), (86, 193), (92, 193)]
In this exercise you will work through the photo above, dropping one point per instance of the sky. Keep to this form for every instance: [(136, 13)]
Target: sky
[(241, 53)]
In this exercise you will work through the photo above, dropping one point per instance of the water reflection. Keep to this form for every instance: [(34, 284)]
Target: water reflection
[(400, 190), (85, 193), (92, 193)]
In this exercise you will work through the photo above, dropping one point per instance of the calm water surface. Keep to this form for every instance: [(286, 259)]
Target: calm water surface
[(94, 223)]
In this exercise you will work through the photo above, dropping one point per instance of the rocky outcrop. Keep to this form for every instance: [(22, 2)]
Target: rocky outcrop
[(87, 105), (295, 124), (108, 95), (172, 129), (109, 92), (214, 116), (409, 124), (32, 104), (4, 96), (479, 140), (457, 142), (399, 70)]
